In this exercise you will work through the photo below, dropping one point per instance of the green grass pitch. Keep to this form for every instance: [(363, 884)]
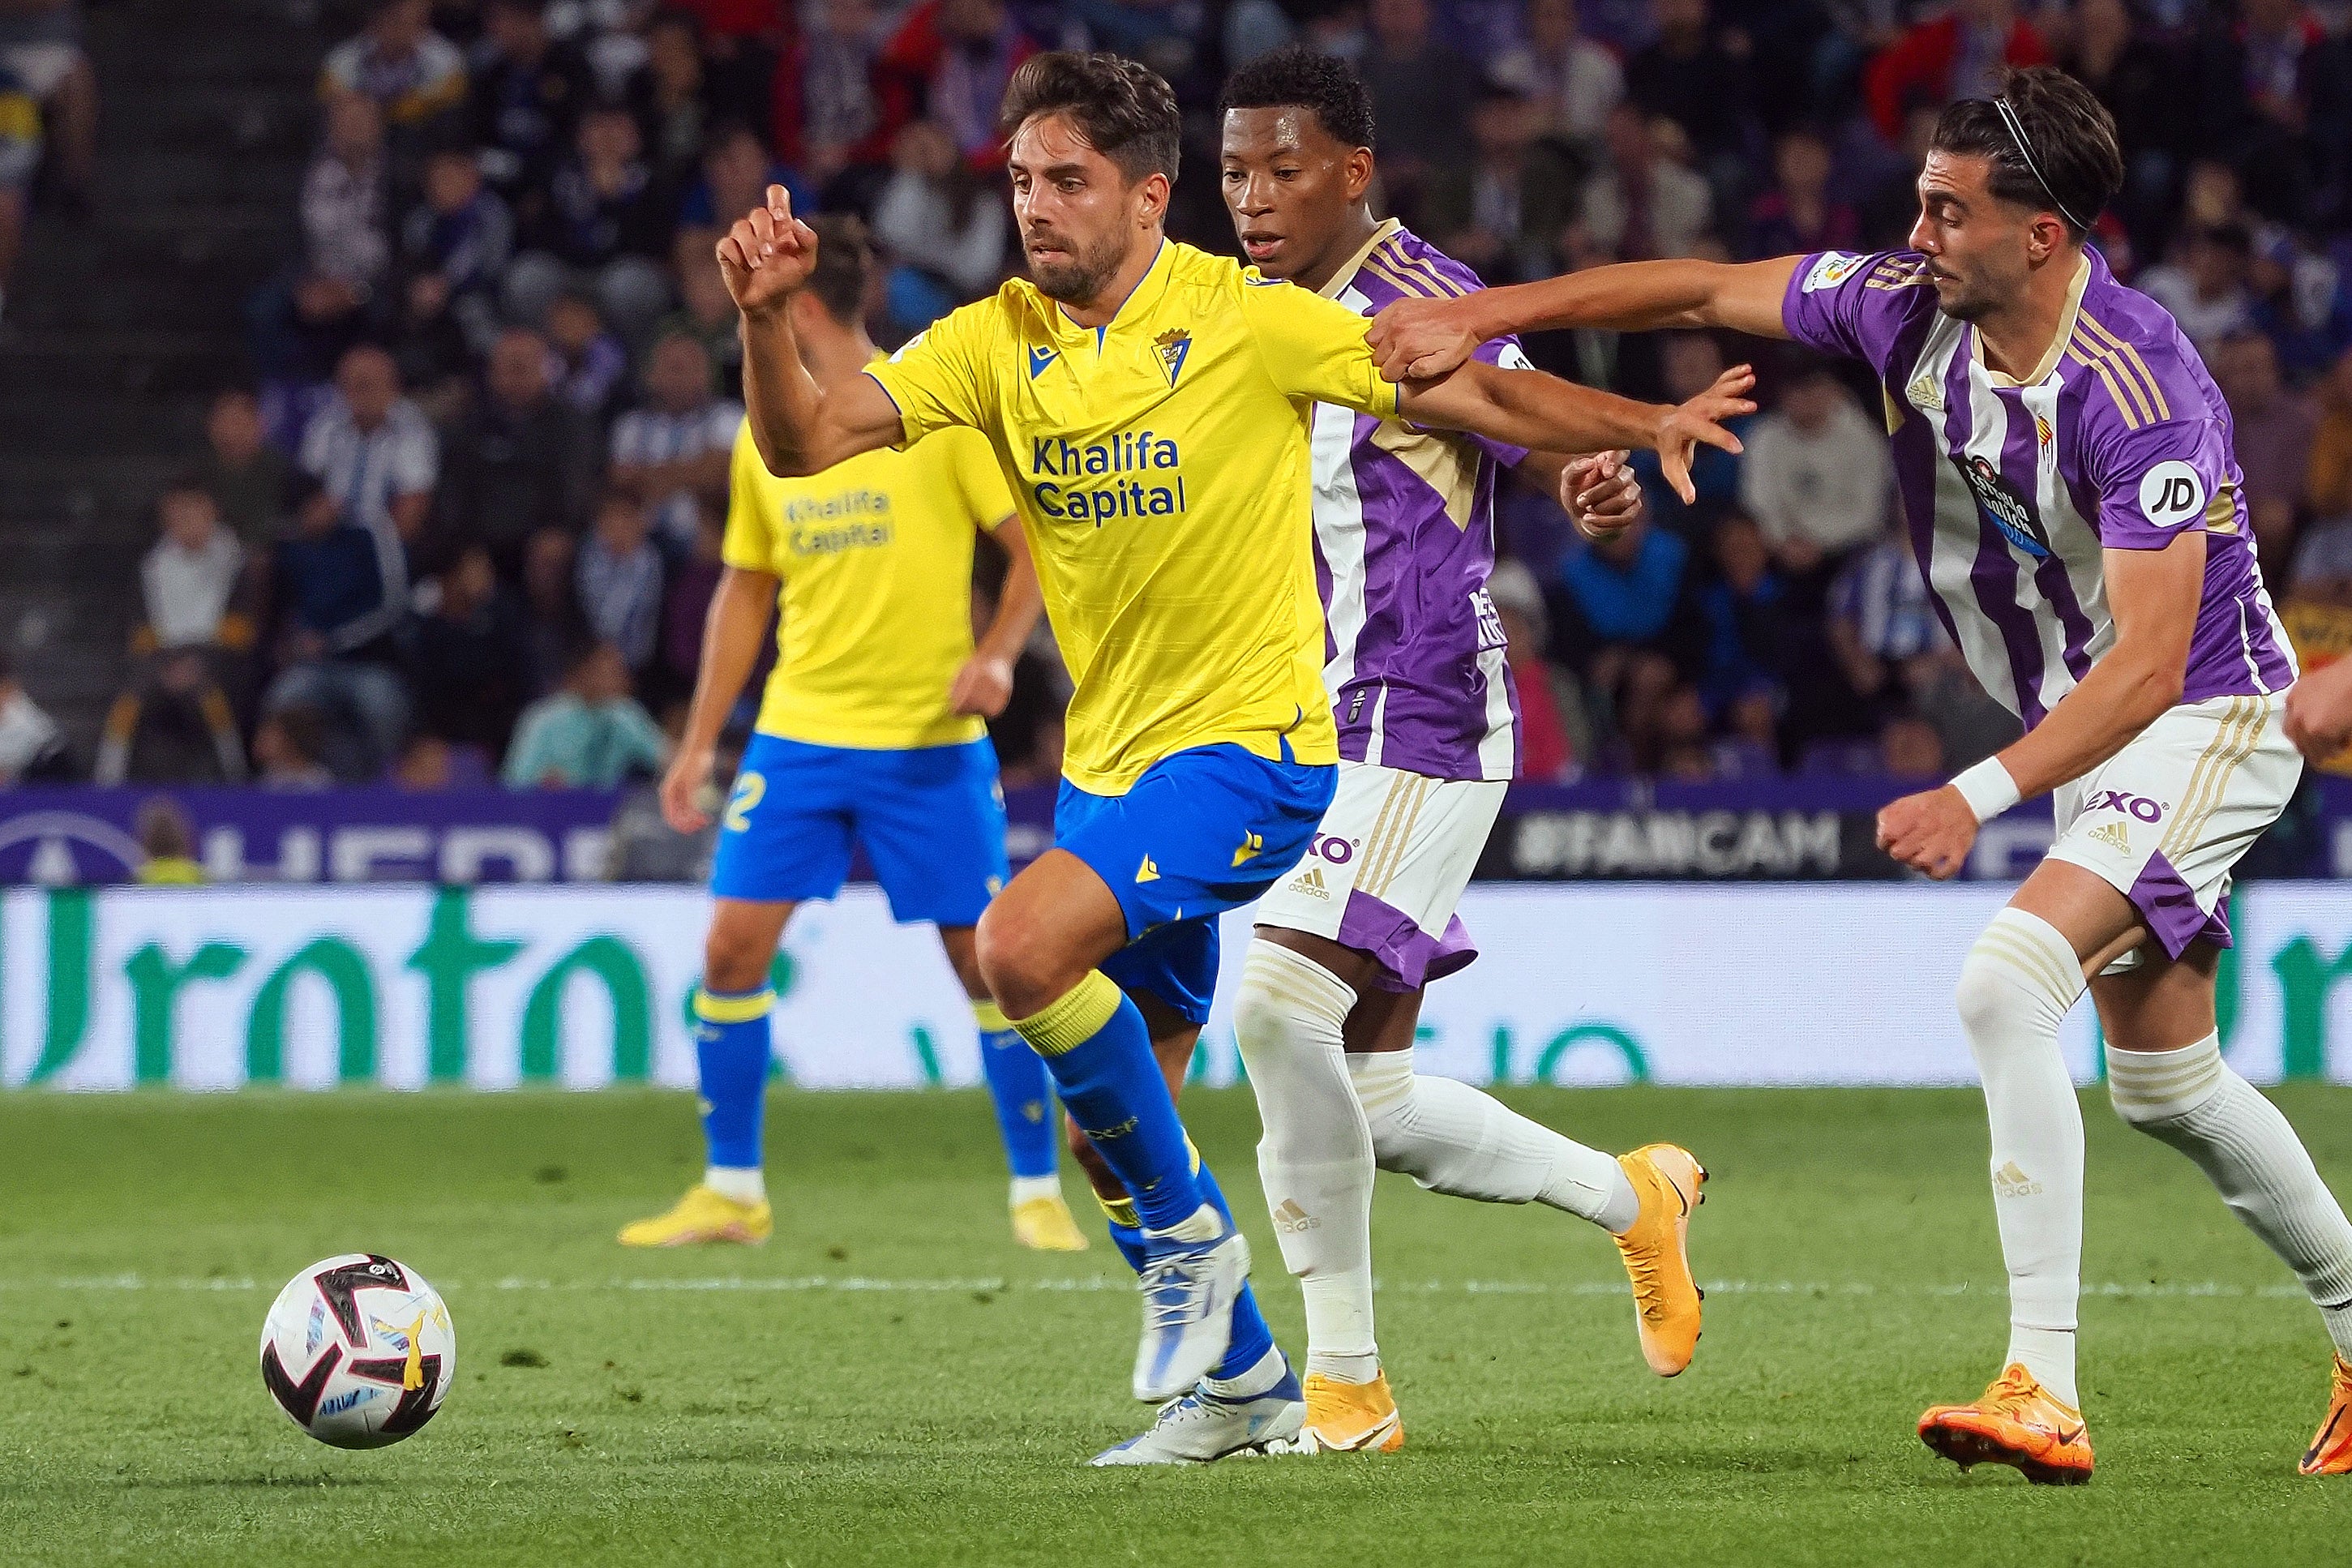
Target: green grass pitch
[(889, 1381)]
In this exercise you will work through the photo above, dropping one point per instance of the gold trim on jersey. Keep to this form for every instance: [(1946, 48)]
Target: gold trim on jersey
[(1347, 274), (2066, 319), (2145, 376)]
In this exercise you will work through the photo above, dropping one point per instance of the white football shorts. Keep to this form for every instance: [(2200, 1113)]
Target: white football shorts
[(1386, 868), (2165, 819)]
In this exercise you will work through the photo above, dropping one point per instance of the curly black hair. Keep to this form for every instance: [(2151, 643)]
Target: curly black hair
[(1296, 75)]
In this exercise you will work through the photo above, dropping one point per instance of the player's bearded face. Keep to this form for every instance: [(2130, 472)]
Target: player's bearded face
[(1069, 267), (1076, 209), (1975, 245)]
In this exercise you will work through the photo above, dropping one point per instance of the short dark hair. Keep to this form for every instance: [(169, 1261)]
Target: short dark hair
[(1296, 75), (1124, 111), (844, 265), (2069, 160)]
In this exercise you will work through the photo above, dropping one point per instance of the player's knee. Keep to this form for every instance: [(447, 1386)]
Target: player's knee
[(734, 960), (1006, 948), (2021, 973)]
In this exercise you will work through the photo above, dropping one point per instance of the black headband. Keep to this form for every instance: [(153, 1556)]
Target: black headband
[(2017, 132)]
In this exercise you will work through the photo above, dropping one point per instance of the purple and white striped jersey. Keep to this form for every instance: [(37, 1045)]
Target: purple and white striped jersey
[(1404, 540), (2117, 440)]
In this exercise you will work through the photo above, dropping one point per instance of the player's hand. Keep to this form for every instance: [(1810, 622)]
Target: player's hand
[(683, 789), (2319, 711), (983, 686), (1931, 831), (1413, 340), (1681, 429), (1600, 494), (767, 255)]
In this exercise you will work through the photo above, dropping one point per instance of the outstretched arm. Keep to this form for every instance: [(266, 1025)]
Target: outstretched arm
[(799, 427), (985, 684), (1414, 339), (1529, 409)]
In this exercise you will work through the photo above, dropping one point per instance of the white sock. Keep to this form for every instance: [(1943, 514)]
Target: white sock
[(1028, 1189), (1264, 1374), (2015, 988), (745, 1184), (1453, 1139), (1315, 1159), (2190, 1100)]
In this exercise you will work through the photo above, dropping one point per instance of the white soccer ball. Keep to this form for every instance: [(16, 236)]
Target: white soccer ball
[(358, 1351)]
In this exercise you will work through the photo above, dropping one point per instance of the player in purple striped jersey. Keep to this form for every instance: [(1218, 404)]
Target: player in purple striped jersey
[(2077, 509), (1429, 739)]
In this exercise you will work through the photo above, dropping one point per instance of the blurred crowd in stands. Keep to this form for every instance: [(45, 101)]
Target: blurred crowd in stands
[(463, 524)]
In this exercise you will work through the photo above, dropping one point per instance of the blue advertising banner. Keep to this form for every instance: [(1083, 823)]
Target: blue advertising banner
[(1783, 829)]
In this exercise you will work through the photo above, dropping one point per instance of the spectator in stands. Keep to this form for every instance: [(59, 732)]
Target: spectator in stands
[(472, 661), (1504, 218), (603, 229), (1688, 364), (168, 842), (1891, 205), (32, 747), (2273, 98), (453, 249), (1909, 748), (1744, 611), (686, 604), (592, 367), (619, 581), (527, 89), (1881, 621), (838, 112), (671, 455), (2205, 288), (1956, 54), (1625, 591), (591, 734), (244, 474), (20, 160), (951, 59), (2303, 303), (736, 173), (944, 225), (427, 766), (1696, 75), (2143, 85), (706, 312), (1552, 734), (287, 746), (1796, 215), (1574, 81), (551, 622), (340, 595), (377, 458), (1816, 476), (191, 573), (40, 48), (335, 297), (1640, 204), (2328, 485), (1420, 83), (2272, 435), (522, 462), (401, 64), (667, 95)]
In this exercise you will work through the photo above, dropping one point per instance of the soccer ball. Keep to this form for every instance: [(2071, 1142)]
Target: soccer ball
[(358, 1351)]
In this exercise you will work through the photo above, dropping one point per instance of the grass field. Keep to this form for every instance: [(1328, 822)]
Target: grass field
[(889, 1381)]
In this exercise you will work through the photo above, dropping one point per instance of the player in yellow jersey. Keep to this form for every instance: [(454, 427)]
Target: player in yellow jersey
[(869, 729), (1148, 405)]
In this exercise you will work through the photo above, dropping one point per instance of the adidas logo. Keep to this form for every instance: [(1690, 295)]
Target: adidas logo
[(1309, 883), (1923, 394), (1147, 872), (2114, 835), (1292, 1220), (2009, 1181)]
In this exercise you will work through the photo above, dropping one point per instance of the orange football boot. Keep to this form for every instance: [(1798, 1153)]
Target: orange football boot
[(1657, 1257), (2017, 1422), (1350, 1418), (2330, 1453)]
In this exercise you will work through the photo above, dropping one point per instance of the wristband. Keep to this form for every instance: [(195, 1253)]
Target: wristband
[(1988, 789)]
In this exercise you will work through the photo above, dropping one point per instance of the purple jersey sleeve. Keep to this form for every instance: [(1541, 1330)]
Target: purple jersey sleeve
[(1856, 306), (2155, 481)]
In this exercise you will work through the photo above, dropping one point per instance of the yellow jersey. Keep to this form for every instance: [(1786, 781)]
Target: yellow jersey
[(1160, 467), (874, 556)]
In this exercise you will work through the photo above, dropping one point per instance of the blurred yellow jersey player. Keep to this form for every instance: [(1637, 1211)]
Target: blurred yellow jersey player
[(870, 732)]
